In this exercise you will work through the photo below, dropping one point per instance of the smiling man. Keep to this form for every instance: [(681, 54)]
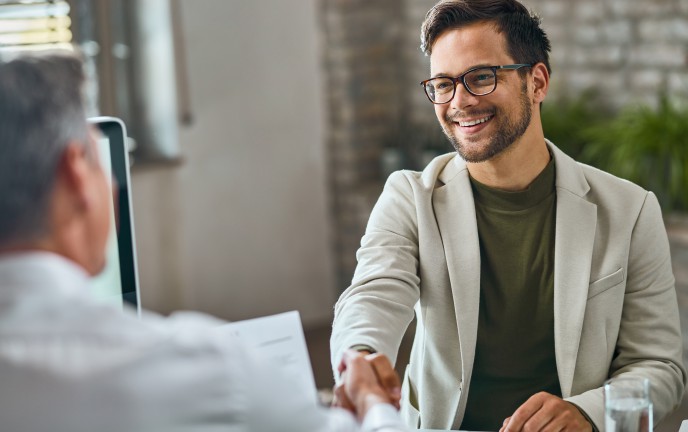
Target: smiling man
[(533, 278)]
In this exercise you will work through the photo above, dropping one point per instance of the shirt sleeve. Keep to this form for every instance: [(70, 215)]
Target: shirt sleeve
[(382, 418), (377, 308)]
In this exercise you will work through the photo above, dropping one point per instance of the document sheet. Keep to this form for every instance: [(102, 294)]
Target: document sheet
[(279, 341)]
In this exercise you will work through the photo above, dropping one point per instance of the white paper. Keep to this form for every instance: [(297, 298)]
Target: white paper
[(279, 340), (684, 426)]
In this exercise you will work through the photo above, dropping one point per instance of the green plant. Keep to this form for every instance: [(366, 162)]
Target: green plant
[(646, 146), (565, 121)]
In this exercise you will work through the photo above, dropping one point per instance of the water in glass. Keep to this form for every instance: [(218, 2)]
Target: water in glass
[(628, 415)]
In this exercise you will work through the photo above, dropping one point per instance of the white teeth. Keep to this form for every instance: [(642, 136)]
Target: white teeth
[(474, 122)]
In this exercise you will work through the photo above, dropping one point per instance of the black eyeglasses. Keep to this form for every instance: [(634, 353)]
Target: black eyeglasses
[(479, 81)]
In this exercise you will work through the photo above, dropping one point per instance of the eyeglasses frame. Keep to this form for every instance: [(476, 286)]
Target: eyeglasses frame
[(462, 79)]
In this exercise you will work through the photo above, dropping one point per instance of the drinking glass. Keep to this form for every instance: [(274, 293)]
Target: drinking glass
[(627, 405)]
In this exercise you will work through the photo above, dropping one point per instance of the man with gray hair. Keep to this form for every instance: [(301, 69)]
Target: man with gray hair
[(69, 363)]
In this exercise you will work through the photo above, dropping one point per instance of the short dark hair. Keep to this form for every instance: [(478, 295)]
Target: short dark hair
[(526, 41), (41, 111)]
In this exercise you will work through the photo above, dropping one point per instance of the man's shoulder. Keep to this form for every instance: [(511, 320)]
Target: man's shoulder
[(615, 198), (594, 184), (606, 186), (81, 327), (437, 173)]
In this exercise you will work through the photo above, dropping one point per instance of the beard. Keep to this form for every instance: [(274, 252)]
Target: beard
[(507, 131)]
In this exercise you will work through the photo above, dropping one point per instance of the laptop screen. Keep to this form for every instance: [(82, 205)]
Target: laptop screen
[(118, 282)]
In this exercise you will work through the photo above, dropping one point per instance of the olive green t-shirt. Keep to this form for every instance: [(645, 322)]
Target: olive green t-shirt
[(514, 357)]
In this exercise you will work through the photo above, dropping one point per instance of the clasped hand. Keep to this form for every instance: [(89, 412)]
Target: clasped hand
[(366, 380)]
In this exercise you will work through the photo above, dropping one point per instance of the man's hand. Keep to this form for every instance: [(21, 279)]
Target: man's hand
[(546, 412), (365, 381)]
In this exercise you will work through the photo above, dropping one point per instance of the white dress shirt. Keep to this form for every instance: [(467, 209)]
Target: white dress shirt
[(69, 363)]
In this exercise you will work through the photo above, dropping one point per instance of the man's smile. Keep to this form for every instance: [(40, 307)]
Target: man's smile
[(470, 124), (467, 123)]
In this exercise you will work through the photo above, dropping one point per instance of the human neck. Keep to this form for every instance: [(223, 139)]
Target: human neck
[(515, 168), (37, 245), (66, 242)]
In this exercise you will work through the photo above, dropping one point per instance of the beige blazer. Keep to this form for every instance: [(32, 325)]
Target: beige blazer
[(615, 309)]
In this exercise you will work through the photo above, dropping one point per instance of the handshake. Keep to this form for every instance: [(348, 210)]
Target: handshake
[(366, 380)]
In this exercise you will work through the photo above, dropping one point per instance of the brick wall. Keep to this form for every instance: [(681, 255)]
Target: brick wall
[(628, 49), (379, 118), (364, 71)]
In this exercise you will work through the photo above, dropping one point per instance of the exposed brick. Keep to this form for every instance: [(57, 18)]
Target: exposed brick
[(658, 55), (588, 11), (677, 83), (561, 57), (668, 30), (553, 9), (556, 30), (599, 79), (587, 34), (610, 56), (649, 79), (640, 8), (619, 31)]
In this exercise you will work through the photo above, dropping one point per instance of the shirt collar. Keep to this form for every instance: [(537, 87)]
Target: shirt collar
[(539, 189), (41, 270)]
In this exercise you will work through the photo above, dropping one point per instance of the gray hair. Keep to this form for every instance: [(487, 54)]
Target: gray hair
[(41, 112)]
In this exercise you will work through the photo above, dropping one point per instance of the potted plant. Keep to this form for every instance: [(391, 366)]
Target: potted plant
[(646, 146)]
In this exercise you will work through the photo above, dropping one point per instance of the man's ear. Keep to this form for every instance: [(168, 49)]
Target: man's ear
[(72, 173), (540, 80)]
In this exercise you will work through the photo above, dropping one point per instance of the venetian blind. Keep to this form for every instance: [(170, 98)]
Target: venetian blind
[(34, 24)]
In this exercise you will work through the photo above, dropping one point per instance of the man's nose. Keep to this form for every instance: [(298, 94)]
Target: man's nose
[(463, 98)]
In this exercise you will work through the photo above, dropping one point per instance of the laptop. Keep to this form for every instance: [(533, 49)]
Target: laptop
[(118, 282)]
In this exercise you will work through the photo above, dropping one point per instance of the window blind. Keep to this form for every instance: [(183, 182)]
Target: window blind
[(34, 24)]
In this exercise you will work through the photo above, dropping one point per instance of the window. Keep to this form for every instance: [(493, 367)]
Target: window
[(34, 24), (131, 75)]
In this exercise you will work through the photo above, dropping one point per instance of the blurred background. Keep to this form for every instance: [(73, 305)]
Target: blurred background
[(262, 131)]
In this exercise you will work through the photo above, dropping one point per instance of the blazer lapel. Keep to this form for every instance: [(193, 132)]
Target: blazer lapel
[(456, 220), (576, 222)]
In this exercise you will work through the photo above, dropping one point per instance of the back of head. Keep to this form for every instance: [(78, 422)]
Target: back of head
[(526, 41), (41, 111)]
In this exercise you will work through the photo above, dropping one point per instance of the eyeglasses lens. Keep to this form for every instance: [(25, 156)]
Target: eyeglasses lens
[(440, 90), (479, 82)]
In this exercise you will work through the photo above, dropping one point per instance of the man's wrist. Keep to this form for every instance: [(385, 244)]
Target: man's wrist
[(586, 416), (367, 400)]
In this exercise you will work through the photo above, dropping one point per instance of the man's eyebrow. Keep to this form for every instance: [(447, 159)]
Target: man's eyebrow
[(441, 75), (447, 75)]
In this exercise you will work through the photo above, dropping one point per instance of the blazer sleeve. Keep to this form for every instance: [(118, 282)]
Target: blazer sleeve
[(649, 343), (378, 306)]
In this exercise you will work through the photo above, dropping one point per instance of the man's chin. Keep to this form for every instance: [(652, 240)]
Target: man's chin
[(476, 154), (475, 158), (476, 151)]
